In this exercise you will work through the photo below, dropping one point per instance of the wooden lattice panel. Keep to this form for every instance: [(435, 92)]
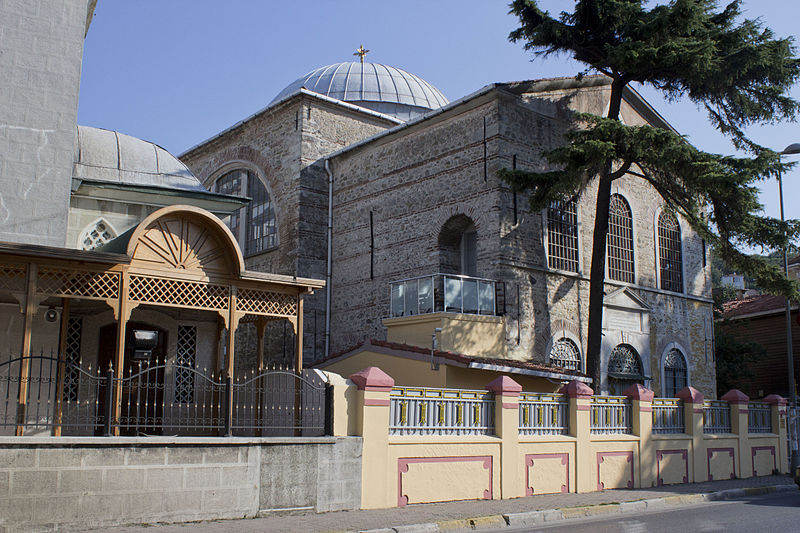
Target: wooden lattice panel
[(12, 278), (266, 303), (178, 293), (76, 283)]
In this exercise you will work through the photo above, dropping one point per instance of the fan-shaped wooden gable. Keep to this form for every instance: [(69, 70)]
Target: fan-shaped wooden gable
[(187, 239)]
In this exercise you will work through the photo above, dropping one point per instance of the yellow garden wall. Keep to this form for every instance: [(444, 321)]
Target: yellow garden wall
[(406, 469)]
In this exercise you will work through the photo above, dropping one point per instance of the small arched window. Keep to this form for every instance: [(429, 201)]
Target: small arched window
[(458, 246), (669, 252), (565, 353), (675, 373), (562, 235), (96, 235), (253, 225), (620, 240)]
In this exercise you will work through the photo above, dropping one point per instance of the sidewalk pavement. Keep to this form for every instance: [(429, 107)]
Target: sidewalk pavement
[(480, 514)]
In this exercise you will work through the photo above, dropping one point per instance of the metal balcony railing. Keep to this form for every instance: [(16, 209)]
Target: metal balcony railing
[(449, 293)]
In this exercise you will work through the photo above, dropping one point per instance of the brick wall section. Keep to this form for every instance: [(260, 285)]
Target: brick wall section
[(104, 481), (285, 145), (41, 49)]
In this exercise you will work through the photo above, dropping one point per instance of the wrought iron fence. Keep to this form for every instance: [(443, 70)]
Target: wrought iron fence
[(716, 416), (418, 411), (445, 292), (610, 414), (759, 418), (543, 414), (668, 416), (159, 399)]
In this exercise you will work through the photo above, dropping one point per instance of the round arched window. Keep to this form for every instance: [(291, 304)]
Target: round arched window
[(624, 368), (253, 225), (565, 353), (675, 373)]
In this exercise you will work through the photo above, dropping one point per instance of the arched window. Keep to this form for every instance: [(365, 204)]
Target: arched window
[(562, 235), (624, 368), (96, 235), (458, 246), (253, 225), (620, 240), (565, 353), (675, 374), (669, 252)]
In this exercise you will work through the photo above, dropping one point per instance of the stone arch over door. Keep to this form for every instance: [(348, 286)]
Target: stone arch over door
[(624, 369), (457, 246)]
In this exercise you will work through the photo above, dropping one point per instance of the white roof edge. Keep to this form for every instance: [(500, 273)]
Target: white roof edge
[(529, 372), (301, 90)]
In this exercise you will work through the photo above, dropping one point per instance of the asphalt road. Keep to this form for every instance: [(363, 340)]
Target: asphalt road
[(778, 512)]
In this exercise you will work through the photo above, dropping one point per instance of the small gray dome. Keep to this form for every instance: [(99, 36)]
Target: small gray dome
[(104, 155), (382, 88)]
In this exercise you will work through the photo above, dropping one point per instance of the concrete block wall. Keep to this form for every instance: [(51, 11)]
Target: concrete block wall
[(41, 49), (93, 482)]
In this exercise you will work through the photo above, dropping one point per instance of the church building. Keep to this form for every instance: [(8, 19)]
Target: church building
[(366, 176)]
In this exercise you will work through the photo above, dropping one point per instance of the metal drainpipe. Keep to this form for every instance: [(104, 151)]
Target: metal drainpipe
[(328, 270)]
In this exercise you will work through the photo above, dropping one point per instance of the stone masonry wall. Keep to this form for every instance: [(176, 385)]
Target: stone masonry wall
[(93, 482), (41, 48), (415, 181), (285, 146)]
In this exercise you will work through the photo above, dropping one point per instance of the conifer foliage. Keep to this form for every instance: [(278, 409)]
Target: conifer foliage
[(733, 67)]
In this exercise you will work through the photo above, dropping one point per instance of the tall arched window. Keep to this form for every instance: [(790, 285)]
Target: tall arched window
[(562, 235), (253, 225), (669, 252), (458, 246), (675, 373), (620, 240), (565, 353)]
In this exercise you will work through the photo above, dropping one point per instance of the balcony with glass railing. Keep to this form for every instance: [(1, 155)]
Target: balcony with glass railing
[(446, 293)]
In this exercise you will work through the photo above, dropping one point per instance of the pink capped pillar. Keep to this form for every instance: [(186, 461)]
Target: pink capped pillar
[(779, 412), (580, 407), (693, 426), (506, 426), (740, 422), (642, 422), (372, 423)]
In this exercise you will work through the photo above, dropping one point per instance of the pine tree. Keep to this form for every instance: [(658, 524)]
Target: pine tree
[(735, 68)]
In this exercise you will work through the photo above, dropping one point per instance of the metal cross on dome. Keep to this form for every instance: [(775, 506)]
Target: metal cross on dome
[(361, 52)]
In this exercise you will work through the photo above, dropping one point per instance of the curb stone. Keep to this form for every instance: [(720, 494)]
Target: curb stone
[(531, 518)]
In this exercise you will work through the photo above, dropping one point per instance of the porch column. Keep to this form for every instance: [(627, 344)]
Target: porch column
[(24, 370), (233, 325), (298, 351), (123, 314), (62, 360), (261, 327)]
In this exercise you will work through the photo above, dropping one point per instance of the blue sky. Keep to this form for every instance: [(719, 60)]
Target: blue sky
[(176, 72)]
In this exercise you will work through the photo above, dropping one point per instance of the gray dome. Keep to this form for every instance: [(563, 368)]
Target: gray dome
[(382, 88), (104, 155)]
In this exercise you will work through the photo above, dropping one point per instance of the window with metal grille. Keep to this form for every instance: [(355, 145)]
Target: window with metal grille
[(624, 362), (72, 356), (675, 375), (562, 235), (669, 252), (620, 240), (254, 225), (565, 354), (185, 359)]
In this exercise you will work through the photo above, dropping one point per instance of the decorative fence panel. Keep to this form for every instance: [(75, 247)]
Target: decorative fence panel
[(418, 411), (759, 418), (668, 416), (159, 399), (543, 414), (610, 414), (716, 416)]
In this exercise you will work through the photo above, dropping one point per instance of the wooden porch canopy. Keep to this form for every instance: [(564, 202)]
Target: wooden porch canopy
[(180, 256)]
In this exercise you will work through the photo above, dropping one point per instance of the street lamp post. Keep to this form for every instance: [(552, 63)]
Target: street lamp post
[(795, 457)]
